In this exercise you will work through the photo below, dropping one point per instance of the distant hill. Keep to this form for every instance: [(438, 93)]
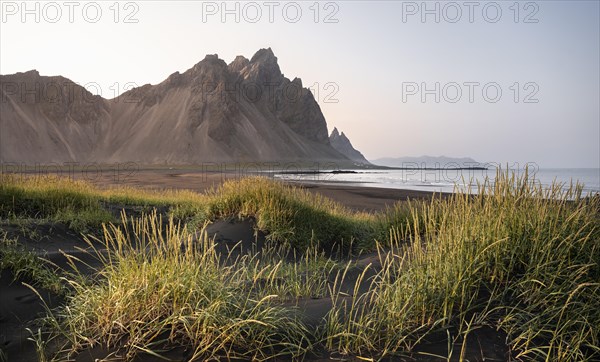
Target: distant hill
[(245, 111), (426, 161), (343, 145)]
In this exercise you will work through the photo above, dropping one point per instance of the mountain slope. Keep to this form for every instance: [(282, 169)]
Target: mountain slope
[(242, 112), (48, 119), (341, 143)]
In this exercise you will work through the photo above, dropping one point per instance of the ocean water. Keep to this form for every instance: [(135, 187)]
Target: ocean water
[(446, 180)]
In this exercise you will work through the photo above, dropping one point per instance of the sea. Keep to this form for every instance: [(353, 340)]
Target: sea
[(447, 180)]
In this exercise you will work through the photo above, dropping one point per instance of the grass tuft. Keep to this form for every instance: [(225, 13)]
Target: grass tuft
[(162, 285)]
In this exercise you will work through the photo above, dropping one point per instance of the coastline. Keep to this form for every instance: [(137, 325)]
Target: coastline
[(350, 194), (364, 198)]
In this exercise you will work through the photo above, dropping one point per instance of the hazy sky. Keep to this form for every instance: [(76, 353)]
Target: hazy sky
[(375, 58)]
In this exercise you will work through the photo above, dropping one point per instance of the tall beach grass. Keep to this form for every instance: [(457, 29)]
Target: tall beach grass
[(514, 257), (161, 286)]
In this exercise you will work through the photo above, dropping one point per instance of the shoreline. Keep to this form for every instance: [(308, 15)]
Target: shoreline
[(200, 179), (350, 194), (365, 198), (355, 195)]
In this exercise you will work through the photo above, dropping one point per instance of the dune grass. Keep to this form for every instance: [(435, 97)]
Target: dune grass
[(514, 257), (26, 265), (291, 214), (161, 285), (71, 202), (286, 214)]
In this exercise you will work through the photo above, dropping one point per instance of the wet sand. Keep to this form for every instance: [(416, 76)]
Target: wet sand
[(364, 198)]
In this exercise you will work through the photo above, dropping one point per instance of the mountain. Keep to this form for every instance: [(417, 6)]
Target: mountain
[(426, 161), (245, 111), (343, 145), (48, 119)]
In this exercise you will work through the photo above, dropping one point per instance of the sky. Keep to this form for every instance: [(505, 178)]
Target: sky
[(504, 82)]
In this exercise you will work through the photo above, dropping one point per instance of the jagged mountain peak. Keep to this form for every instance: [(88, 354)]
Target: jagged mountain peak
[(211, 60), (239, 63), (263, 67), (207, 113), (264, 56), (343, 145), (211, 57), (337, 134), (32, 72), (297, 81)]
